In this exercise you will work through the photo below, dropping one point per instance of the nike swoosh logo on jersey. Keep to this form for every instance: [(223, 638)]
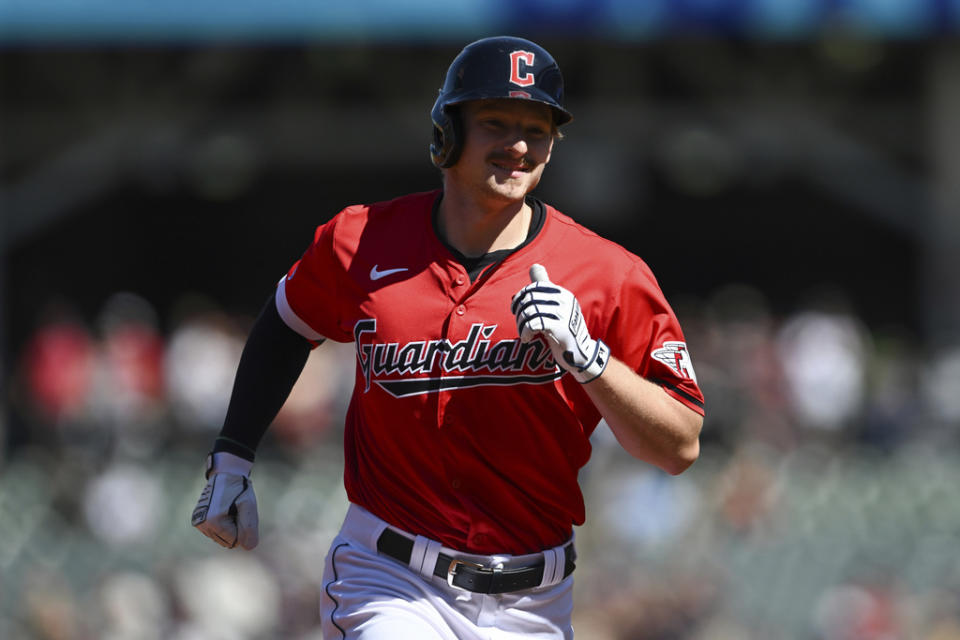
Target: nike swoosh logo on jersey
[(376, 274)]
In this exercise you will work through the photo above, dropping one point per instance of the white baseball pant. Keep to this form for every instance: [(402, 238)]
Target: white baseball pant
[(370, 596)]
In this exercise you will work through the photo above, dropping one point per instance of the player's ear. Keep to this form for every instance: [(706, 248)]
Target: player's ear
[(555, 136), (550, 149)]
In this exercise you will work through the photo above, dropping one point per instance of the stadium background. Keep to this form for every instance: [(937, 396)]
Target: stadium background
[(790, 170)]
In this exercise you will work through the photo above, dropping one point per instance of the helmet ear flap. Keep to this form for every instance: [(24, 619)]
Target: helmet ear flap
[(447, 135)]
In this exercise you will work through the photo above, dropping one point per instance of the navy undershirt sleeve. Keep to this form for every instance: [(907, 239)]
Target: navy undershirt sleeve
[(272, 361)]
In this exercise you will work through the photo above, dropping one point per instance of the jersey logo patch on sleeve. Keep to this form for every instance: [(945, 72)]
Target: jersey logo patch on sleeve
[(675, 355)]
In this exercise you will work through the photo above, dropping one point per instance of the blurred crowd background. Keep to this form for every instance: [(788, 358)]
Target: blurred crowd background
[(790, 171)]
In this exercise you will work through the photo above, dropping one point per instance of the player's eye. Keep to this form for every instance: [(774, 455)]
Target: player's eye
[(537, 132)]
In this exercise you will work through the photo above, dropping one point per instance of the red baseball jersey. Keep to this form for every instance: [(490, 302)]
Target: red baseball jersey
[(456, 430)]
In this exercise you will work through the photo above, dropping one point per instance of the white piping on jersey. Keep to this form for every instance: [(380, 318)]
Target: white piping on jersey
[(290, 318)]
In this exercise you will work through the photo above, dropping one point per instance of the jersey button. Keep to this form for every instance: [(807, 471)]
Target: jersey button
[(455, 483), (460, 280), (461, 310)]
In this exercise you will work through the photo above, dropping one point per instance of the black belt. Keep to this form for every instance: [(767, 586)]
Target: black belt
[(469, 575)]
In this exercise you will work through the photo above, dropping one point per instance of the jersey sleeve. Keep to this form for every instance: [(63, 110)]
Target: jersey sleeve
[(645, 334), (307, 297)]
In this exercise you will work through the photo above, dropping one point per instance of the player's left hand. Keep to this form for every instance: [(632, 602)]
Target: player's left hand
[(545, 308)]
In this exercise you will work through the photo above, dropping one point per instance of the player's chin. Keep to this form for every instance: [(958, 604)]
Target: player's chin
[(508, 196), (514, 188)]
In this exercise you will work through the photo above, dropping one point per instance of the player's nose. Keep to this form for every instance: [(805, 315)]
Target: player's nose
[(517, 144)]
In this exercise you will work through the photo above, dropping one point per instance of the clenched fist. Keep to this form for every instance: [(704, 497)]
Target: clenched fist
[(227, 510)]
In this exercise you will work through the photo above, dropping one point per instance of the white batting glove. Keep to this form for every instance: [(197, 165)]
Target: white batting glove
[(227, 510), (545, 308)]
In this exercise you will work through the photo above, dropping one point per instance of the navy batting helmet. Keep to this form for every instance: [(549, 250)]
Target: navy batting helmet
[(499, 67)]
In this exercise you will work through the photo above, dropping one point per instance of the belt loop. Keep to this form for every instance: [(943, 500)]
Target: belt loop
[(423, 558), (552, 566)]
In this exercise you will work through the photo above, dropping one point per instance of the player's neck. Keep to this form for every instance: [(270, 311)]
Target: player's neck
[(475, 230)]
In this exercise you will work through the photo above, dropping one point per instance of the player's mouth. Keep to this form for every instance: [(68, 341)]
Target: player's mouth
[(512, 166)]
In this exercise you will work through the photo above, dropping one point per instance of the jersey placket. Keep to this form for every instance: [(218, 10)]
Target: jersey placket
[(456, 328), (458, 290)]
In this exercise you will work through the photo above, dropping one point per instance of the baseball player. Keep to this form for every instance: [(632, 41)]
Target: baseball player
[(492, 334)]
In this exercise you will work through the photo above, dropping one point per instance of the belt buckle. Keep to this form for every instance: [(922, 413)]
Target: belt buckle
[(452, 570)]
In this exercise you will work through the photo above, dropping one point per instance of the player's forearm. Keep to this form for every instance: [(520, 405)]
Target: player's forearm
[(647, 422), (272, 360)]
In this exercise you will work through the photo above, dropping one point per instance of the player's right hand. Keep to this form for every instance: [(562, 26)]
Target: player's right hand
[(227, 510)]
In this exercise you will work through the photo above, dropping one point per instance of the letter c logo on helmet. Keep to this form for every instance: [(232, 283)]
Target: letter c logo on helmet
[(521, 78), (493, 68)]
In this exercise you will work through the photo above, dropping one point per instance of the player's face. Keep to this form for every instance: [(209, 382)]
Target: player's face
[(507, 144)]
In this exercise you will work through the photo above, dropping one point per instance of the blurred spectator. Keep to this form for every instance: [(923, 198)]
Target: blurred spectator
[(200, 363), (229, 596), (318, 400), (748, 491), (652, 610), (857, 612), (940, 615), (133, 354), (942, 386), (740, 370), (134, 607), (50, 606), (643, 506), (746, 328), (58, 365), (893, 412), (124, 505), (824, 356), (946, 629), (130, 386)]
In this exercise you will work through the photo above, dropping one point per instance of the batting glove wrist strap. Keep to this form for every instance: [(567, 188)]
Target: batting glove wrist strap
[(222, 462), (227, 509), (596, 365), (547, 309)]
